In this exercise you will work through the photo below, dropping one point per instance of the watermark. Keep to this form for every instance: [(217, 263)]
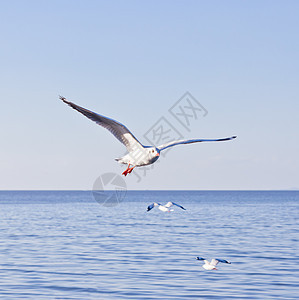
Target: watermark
[(162, 132), (187, 110), (171, 127), (109, 189)]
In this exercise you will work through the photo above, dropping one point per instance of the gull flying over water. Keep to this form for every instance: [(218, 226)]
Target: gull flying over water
[(164, 208), (212, 265), (138, 155)]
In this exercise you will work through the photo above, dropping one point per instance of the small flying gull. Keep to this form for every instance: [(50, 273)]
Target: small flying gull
[(164, 208), (138, 155), (212, 265)]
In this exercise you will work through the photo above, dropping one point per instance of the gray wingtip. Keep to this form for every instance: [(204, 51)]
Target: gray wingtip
[(72, 105), (199, 258), (63, 99)]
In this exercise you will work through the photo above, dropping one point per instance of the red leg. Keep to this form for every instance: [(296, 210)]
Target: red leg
[(126, 171), (131, 169)]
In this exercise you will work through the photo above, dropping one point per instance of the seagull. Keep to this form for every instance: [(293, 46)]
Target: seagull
[(212, 265), (164, 208), (138, 155)]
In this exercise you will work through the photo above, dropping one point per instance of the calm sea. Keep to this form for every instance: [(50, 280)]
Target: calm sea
[(66, 245)]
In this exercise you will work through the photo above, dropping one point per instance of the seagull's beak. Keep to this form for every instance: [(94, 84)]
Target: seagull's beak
[(158, 154)]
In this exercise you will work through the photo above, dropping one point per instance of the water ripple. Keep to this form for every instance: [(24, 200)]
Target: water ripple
[(63, 245)]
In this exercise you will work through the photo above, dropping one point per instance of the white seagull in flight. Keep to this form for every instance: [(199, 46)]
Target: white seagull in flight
[(138, 155), (212, 265), (164, 208)]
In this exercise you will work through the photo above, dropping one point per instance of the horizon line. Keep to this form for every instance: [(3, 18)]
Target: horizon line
[(158, 190)]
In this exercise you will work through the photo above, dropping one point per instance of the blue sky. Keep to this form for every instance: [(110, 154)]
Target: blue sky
[(131, 61)]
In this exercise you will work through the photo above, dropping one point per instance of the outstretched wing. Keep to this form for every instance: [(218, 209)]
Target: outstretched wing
[(200, 258), (120, 131), (169, 204), (151, 206), (179, 206), (222, 261), (180, 142), (214, 262)]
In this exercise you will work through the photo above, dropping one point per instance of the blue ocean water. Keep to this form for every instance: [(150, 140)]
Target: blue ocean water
[(66, 245)]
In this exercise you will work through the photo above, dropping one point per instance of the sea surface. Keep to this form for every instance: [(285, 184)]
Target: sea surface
[(69, 245)]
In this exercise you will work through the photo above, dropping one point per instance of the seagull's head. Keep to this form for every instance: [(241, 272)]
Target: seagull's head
[(153, 153)]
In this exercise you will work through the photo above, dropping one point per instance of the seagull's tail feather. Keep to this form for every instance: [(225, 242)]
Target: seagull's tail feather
[(120, 160)]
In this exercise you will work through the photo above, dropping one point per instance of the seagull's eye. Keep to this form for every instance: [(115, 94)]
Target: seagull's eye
[(153, 150)]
